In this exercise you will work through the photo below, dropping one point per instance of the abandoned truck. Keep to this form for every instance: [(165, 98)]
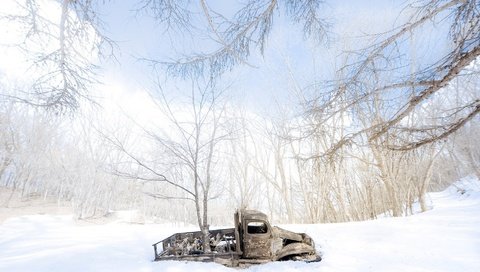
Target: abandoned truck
[(252, 241)]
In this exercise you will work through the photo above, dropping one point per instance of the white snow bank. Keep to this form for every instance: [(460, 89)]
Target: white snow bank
[(466, 186), (446, 238)]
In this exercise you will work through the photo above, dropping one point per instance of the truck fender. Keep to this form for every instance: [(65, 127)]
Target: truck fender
[(294, 249)]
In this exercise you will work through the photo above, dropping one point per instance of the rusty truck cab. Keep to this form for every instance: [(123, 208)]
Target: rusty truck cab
[(256, 234)]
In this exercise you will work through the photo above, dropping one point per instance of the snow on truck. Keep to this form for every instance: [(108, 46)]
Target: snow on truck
[(252, 241)]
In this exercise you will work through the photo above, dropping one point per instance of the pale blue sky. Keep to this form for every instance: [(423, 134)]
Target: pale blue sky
[(138, 35), (288, 54)]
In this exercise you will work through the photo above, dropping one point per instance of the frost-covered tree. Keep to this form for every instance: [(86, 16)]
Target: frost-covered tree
[(62, 42), (184, 163)]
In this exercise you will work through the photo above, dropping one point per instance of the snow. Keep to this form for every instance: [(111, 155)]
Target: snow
[(445, 238)]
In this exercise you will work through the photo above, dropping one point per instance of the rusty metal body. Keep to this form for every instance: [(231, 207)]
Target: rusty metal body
[(252, 241)]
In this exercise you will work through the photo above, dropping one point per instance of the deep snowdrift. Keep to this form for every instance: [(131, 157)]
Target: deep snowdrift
[(446, 238)]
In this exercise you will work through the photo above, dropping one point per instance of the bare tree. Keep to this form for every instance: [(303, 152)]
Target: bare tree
[(186, 153), (244, 181), (63, 47)]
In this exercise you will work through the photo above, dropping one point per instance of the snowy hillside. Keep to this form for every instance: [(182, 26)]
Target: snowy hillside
[(446, 238)]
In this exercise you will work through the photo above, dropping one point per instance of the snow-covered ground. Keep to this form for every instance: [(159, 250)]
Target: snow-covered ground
[(446, 238)]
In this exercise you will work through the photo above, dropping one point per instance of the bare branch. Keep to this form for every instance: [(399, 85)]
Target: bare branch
[(249, 28), (66, 74), (370, 83), (448, 130)]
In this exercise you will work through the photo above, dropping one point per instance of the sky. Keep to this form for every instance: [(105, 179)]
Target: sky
[(289, 61), (260, 88)]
